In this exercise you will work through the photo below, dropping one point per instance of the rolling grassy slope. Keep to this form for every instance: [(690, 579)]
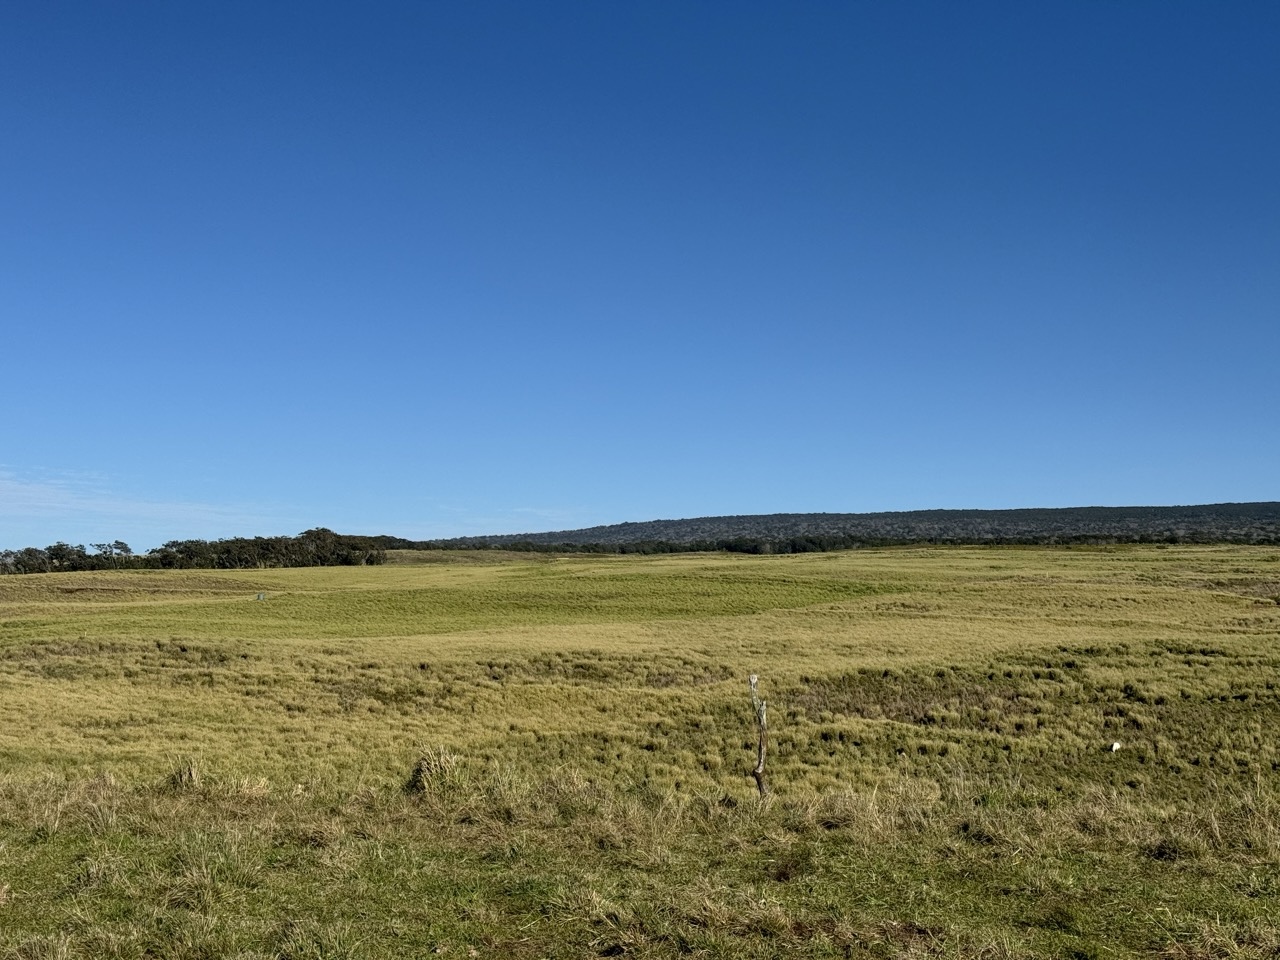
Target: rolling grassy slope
[(188, 771)]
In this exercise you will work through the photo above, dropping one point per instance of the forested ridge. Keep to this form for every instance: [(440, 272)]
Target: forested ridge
[(1248, 523), (805, 532)]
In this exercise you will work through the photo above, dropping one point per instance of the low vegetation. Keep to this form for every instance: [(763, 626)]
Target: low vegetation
[(974, 752), (1252, 523), (783, 533), (312, 548)]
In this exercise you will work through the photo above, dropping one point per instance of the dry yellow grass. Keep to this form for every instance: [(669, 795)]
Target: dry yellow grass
[(188, 771), (338, 670)]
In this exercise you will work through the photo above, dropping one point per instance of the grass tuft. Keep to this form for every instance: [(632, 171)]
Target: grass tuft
[(435, 769), (184, 777)]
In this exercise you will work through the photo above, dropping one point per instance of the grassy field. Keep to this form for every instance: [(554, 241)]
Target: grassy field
[(533, 756)]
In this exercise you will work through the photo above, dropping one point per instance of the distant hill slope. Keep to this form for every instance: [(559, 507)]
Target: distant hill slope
[(1208, 523)]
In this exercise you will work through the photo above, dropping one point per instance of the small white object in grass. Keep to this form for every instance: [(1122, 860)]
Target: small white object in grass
[(1115, 746)]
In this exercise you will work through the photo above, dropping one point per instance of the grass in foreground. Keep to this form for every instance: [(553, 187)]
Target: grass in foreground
[(549, 758)]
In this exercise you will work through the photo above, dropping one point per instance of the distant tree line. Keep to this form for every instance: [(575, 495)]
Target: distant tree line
[(1255, 523), (811, 544), (1249, 523), (313, 548)]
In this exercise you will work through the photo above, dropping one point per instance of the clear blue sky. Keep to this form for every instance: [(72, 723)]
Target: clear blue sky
[(436, 269)]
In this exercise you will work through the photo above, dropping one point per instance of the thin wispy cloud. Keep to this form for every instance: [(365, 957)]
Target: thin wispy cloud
[(82, 507), (41, 507)]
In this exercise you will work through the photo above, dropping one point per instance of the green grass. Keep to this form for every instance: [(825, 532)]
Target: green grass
[(505, 755)]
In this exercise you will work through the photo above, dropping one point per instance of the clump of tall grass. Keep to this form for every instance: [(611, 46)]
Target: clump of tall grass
[(184, 777), (436, 769)]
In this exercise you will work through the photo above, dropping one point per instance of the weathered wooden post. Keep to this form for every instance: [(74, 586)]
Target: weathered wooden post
[(762, 724)]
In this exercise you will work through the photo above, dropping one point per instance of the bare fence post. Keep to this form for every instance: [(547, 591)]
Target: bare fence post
[(763, 726)]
